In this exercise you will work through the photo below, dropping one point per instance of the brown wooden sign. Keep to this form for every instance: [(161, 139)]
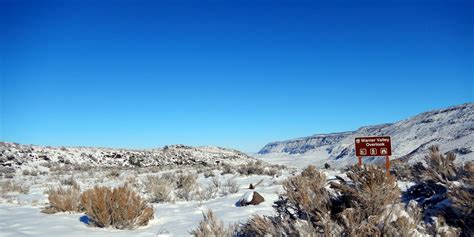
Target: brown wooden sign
[(373, 146)]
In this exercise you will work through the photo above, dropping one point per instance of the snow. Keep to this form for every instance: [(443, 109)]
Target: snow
[(20, 214), (247, 197), (315, 157)]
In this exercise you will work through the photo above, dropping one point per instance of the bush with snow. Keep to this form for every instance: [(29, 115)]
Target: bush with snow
[(159, 189), (445, 193), (230, 186), (368, 204), (186, 185)]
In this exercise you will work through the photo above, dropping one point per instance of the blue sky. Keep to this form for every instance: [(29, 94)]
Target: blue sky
[(237, 74)]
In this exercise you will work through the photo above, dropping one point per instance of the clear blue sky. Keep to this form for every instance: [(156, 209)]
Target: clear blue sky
[(237, 74)]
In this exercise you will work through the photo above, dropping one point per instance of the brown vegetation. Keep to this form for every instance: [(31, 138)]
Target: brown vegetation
[(119, 208), (211, 226), (64, 200)]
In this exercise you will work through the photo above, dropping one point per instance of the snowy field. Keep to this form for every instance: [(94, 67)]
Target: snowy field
[(20, 214)]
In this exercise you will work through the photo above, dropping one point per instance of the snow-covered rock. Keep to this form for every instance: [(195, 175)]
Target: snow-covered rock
[(251, 198), (451, 128), (14, 156)]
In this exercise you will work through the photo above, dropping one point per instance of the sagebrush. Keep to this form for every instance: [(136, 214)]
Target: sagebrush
[(119, 208), (64, 199), (212, 226)]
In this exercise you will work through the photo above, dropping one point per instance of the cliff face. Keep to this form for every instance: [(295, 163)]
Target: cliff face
[(451, 128)]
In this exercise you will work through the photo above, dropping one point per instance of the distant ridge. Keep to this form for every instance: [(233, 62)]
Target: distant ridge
[(452, 128)]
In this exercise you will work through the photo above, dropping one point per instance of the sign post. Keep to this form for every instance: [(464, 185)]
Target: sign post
[(374, 146)]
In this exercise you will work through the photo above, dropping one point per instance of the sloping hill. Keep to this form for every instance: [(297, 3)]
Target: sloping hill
[(14, 156), (451, 128)]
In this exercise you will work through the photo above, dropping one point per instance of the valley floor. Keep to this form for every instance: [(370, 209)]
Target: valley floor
[(20, 214)]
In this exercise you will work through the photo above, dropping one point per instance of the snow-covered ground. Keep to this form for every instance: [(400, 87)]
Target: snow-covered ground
[(20, 214)]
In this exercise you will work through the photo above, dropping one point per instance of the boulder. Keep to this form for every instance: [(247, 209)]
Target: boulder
[(251, 198)]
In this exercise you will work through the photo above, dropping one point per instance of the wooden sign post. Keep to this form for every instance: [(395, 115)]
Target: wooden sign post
[(374, 146)]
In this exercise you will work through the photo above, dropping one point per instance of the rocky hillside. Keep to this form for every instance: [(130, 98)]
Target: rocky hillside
[(451, 128), (13, 156)]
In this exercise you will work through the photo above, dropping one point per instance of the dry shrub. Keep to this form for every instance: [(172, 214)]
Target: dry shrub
[(260, 226), (403, 171), (114, 173), (305, 199), (8, 175), (366, 197), (64, 200), (119, 208), (368, 204), (303, 210), (81, 167), (209, 173), (445, 192), (134, 182), (227, 169), (215, 182), (442, 229), (402, 220), (441, 168), (308, 197), (211, 226), (30, 172), (169, 176), (210, 191), (230, 186), (370, 189), (271, 226), (203, 194), (70, 182), (255, 168), (461, 212), (160, 189), (186, 186), (12, 186)]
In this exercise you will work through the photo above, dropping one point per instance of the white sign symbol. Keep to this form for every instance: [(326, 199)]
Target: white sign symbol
[(383, 151), (363, 151), (357, 140), (373, 151)]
